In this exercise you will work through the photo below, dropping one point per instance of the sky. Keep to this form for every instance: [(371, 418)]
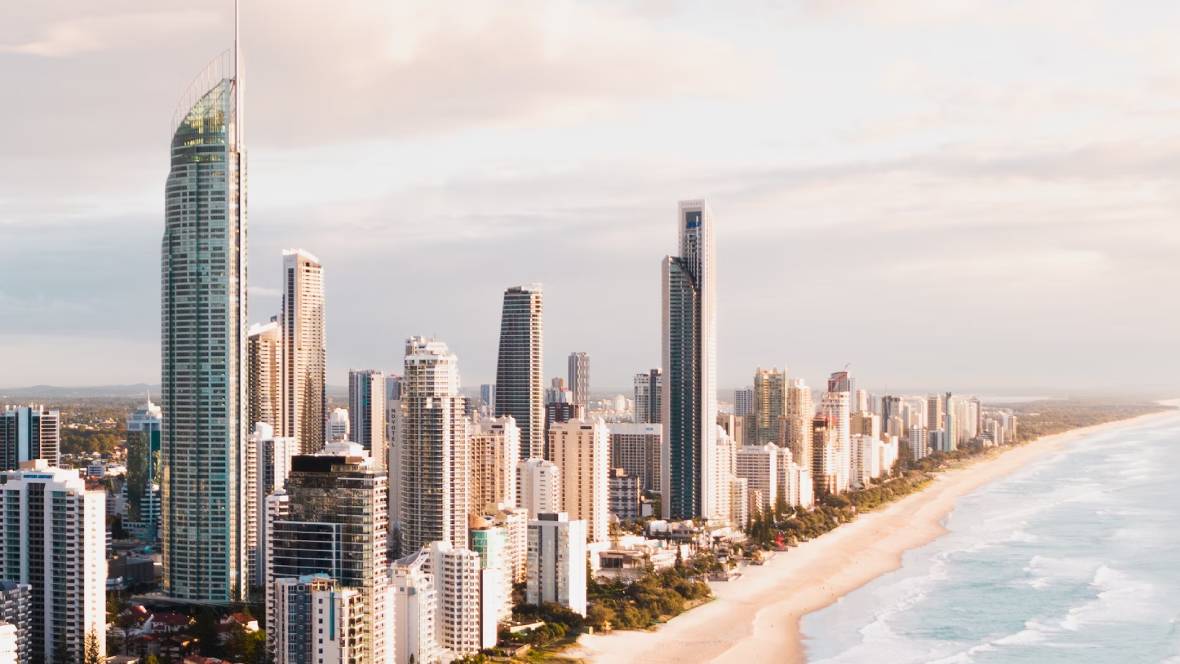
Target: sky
[(975, 196)]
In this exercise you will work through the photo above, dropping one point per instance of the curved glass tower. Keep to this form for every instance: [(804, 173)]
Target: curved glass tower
[(203, 317)]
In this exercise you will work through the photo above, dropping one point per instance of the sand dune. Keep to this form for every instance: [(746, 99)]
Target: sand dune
[(756, 618)]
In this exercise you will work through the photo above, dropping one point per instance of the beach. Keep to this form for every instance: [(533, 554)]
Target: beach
[(756, 618)]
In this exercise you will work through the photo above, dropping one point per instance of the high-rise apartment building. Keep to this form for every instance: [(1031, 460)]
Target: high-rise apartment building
[(143, 472), (15, 611), (264, 367), (689, 340), (825, 455), (203, 342), (305, 396), (268, 462), (770, 405), (539, 486), (519, 367), (487, 398), (495, 452), (934, 412), (28, 433), (635, 447), (759, 466), (647, 387), (491, 544), (797, 428), (366, 412), (415, 610), (54, 541), (457, 584), (335, 524), (744, 401), (579, 378), (316, 622), (557, 561), (581, 450), (434, 449)]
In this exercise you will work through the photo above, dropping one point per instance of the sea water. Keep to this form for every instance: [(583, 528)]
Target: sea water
[(1074, 558)]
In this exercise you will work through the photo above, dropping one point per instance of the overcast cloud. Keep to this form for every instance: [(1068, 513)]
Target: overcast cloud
[(972, 195)]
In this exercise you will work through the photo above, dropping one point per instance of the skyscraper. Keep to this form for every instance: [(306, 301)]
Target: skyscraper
[(581, 450), (744, 401), (434, 463), (366, 412), (689, 399), (28, 433), (143, 471), (519, 369), (53, 538), (264, 366), (305, 397), (335, 524), (798, 425), (648, 387), (268, 462), (579, 378), (203, 341), (495, 451), (770, 401)]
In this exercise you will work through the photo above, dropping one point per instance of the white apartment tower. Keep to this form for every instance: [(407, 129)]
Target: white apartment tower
[(457, 583), (759, 466), (557, 562), (581, 450), (54, 540), (539, 487), (415, 611), (305, 399), (434, 454)]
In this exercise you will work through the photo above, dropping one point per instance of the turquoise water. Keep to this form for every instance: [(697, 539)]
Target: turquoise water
[(1075, 558)]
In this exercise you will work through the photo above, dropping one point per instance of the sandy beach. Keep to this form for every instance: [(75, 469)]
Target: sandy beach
[(756, 618)]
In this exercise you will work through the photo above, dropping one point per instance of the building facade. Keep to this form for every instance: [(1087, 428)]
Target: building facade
[(143, 472), (264, 367), (557, 562), (579, 378), (495, 452), (581, 450), (366, 412), (434, 462), (28, 433), (519, 366), (305, 396), (689, 397), (54, 541), (203, 342)]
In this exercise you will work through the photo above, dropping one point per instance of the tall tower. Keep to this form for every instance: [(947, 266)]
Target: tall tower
[(28, 433), (520, 390), (366, 412), (433, 444), (203, 344), (689, 393), (264, 361), (579, 378), (305, 398), (143, 471), (770, 401)]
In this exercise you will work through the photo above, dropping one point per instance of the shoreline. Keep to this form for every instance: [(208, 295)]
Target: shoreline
[(757, 617)]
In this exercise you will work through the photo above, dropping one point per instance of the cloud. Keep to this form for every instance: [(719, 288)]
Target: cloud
[(77, 36)]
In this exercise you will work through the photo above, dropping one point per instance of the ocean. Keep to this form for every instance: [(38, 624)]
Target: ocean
[(1073, 559)]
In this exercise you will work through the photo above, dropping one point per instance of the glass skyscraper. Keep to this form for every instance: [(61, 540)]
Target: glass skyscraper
[(689, 402), (519, 389), (203, 329)]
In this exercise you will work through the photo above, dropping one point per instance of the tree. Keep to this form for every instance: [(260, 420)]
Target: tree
[(206, 632), (91, 652), (151, 659)]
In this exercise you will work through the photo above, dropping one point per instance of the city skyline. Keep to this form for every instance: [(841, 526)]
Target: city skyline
[(989, 255)]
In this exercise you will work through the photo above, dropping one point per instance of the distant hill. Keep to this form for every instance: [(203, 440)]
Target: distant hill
[(96, 391)]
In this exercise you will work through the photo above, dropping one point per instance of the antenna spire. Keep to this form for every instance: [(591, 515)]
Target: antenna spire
[(237, 40)]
